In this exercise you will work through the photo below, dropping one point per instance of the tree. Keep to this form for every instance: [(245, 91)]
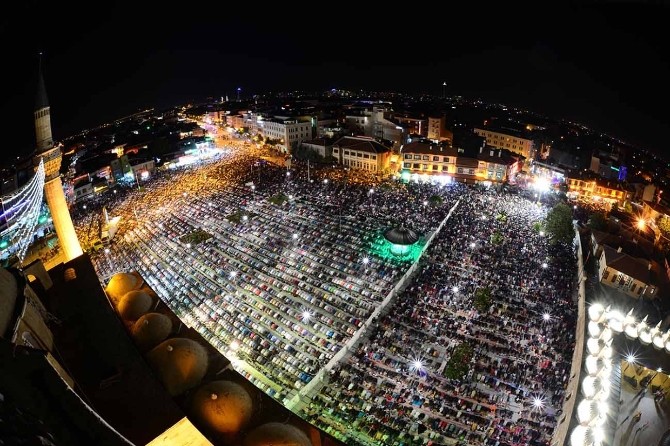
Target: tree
[(435, 200), (459, 362), (597, 221), (497, 238), (663, 224), (559, 224), (482, 300)]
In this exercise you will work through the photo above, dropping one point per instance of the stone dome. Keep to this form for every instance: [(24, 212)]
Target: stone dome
[(401, 236), (150, 330), (134, 304), (121, 283), (179, 363), (277, 434), (222, 406)]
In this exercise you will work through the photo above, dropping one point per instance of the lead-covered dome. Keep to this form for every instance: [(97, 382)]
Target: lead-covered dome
[(277, 434), (222, 406), (134, 304), (150, 330), (121, 283), (180, 364)]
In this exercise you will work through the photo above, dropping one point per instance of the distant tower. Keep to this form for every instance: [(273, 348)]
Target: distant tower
[(444, 90), (53, 188), (238, 94)]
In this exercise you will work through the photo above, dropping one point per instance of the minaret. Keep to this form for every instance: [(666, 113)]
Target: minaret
[(53, 188)]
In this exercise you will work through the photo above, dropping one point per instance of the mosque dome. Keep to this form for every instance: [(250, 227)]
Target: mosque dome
[(134, 304), (277, 434), (401, 236), (121, 283), (222, 406), (179, 363), (150, 330)]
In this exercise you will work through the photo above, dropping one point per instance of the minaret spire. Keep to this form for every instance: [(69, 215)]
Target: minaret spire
[(42, 114), (41, 100)]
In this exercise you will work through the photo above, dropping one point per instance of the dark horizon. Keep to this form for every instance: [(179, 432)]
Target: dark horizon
[(602, 64)]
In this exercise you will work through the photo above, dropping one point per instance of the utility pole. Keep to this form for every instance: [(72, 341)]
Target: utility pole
[(308, 178)]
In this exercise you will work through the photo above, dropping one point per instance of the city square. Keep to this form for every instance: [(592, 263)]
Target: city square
[(281, 289)]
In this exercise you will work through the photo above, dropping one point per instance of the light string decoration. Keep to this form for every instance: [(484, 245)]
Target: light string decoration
[(21, 211), (604, 323)]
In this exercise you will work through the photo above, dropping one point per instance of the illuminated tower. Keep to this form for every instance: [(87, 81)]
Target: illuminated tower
[(53, 188)]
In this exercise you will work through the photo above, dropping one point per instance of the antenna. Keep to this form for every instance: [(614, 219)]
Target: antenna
[(444, 89)]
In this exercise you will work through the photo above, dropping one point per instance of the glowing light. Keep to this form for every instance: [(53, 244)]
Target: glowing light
[(455, 289), (306, 315), (290, 197), (188, 245), (233, 273), (295, 236), (245, 218), (416, 365), (538, 403), (631, 359), (372, 191), (541, 233), (425, 202), (366, 260), (546, 316), (325, 181), (234, 346), (641, 224), (106, 250), (544, 265), (288, 174), (473, 244), (541, 184), (84, 206)]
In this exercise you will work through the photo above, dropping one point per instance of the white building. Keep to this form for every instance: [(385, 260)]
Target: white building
[(289, 132), (515, 142)]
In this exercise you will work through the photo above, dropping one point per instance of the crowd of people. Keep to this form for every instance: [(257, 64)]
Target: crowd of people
[(281, 285), (394, 389)]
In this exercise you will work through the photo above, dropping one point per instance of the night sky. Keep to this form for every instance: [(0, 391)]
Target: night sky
[(604, 64)]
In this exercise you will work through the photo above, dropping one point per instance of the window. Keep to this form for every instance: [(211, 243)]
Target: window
[(436, 158), (346, 152), (408, 156), (426, 157), (366, 156), (632, 289), (460, 170), (374, 157), (417, 157), (415, 166), (606, 274), (446, 159), (472, 171), (407, 165), (424, 166), (434, 166)]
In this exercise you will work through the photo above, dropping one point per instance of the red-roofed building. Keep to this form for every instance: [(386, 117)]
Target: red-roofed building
[(633, 276)]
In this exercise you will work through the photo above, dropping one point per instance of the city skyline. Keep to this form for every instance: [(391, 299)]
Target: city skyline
[(598, 64)]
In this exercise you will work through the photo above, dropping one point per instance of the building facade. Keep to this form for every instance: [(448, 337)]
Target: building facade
[(594, 190), (427, 158), (632, 276), (289, 132), (512, 141), (359, 152)]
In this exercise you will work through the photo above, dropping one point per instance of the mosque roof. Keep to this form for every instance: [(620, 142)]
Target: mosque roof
[(401, 236)]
